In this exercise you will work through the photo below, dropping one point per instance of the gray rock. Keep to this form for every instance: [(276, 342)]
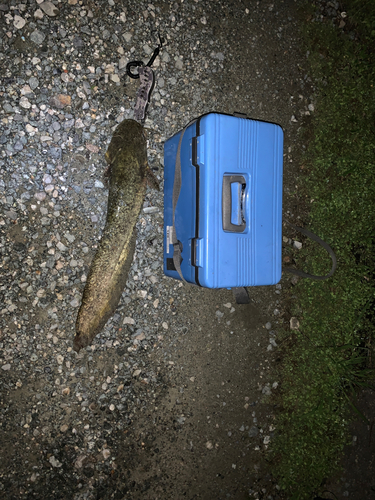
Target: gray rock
[(49, 8), (47, 179), (147, 49), (40, 196), (254, 431), (55, 152), (11, 215), (78, 42), (37, 37), (266, 390), (69, 237), (150, 210), (122, 63), (8, 108), (33, 82)]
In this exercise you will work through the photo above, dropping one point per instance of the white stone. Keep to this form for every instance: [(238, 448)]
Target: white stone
[(26, 90), (19, 22), (38, 14), (109, 69), (30, 129), (121, 63), (294, 323), (79, 123), (54, 462), (128, 321), (25, 103)]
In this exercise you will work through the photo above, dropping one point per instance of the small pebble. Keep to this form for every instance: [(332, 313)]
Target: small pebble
[(49, 8), (294, 324), (19, 22)]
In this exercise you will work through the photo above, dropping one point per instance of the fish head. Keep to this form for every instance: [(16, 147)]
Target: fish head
[(128, 138)]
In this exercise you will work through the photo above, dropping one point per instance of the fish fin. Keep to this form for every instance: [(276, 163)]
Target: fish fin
[(151, 179)]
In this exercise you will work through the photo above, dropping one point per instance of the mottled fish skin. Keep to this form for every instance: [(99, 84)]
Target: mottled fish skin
[(127, 158)]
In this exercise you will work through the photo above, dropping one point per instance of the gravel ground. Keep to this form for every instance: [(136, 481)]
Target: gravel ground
[(172, 399)]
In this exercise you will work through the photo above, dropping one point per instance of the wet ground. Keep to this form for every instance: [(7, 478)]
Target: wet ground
[(172, 400)]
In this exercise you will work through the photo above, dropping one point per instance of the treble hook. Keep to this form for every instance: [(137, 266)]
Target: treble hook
[(136, 64)]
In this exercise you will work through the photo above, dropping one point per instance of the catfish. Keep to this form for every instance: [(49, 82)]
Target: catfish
[(128, 174)]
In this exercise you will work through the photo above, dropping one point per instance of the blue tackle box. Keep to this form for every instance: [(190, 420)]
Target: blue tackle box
[(228, 213)]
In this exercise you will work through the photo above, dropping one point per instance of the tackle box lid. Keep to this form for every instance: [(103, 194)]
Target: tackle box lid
[(229, 213)]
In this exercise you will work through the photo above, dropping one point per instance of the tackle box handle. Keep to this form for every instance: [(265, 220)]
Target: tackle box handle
[(233, 203)]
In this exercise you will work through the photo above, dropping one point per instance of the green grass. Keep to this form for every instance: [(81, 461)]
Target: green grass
[(328, 358)]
